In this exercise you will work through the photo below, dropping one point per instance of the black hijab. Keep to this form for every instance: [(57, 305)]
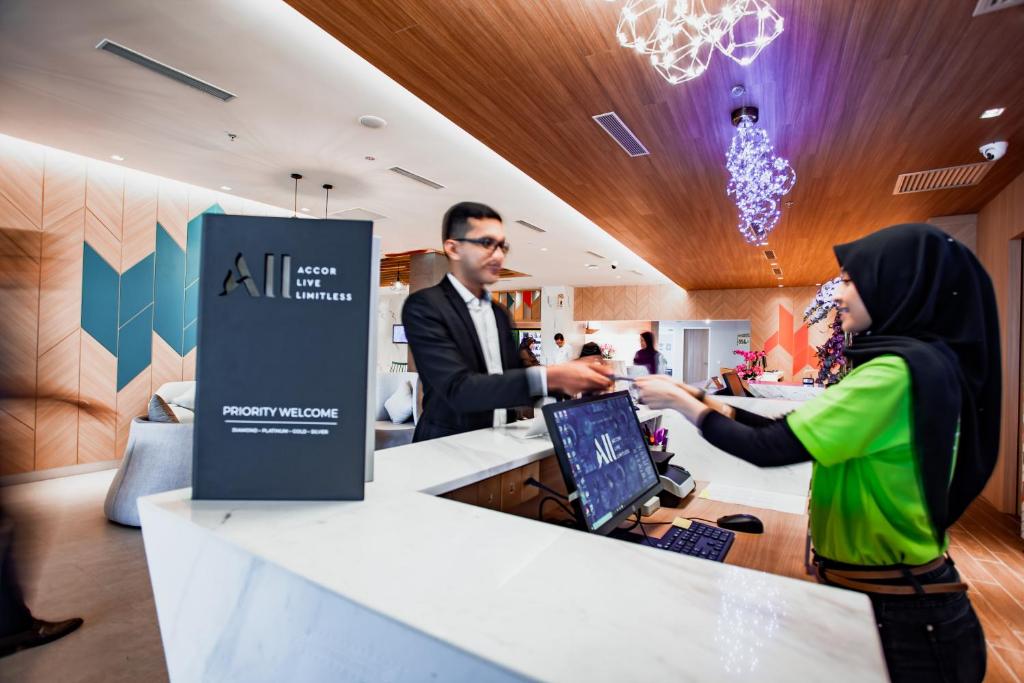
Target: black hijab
[(932, 304)]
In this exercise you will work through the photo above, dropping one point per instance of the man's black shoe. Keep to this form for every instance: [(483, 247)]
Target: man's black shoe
[(40, 633)]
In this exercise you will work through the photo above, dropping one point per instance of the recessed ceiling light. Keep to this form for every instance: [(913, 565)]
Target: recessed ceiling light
[(618, 277), (305, 209), (117, 157), (543, 248), (817, 284), (992, 113), (225, 188), (781, 285), (707, 321)]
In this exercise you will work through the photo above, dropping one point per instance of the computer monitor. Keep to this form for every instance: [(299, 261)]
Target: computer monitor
[(604, 458)]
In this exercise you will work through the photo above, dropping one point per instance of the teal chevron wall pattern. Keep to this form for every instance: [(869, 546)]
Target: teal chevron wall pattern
[(157, 294), (99, 266)]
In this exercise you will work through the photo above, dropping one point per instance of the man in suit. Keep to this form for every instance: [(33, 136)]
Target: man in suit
[(462, 342)]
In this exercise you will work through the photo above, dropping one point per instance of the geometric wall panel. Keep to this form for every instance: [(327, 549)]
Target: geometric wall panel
[(157, 294), (98, 272)]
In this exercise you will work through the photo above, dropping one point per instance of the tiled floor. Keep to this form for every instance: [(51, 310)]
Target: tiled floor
[(77, 563), (990, 553)]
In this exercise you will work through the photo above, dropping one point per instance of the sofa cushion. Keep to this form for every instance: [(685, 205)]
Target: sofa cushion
[(159, 411), (399, 404)]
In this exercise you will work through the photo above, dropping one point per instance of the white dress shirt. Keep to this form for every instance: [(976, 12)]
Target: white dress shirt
[(481, 312), (562, 354)]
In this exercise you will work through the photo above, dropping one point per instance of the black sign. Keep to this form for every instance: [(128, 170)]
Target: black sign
[(284, 338)]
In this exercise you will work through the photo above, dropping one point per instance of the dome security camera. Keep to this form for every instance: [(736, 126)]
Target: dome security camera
[(994, 151), (615, 265)]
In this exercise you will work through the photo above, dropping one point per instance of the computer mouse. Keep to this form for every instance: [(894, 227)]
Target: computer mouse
[(748, 524)]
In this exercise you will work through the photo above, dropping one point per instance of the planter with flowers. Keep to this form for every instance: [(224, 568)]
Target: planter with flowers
[(832, 365), (753, 365), (607, 351)]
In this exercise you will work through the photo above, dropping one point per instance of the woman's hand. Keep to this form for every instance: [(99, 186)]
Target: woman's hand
[(659, 391)]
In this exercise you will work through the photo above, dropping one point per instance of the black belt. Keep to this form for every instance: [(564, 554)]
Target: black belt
[(858, 579)]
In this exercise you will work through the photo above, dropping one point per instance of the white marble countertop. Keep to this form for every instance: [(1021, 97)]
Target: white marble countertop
[(539, 600)]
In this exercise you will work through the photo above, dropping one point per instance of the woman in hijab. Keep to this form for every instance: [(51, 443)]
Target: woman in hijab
[(648, 354), (899, 448)]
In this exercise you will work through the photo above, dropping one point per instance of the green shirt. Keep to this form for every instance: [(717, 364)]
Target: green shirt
[(867, 502)]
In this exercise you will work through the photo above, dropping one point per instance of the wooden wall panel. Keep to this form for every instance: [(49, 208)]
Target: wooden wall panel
[(102, 240), (56, 409), (166, 363), (132, 401), (98, 390), (19, 320), (60, 285), (16, 445), (138, 237), (51, 202), (104, 195), (63, 187), (1000, 222), (172, 210), (21, 184), (188, 365)]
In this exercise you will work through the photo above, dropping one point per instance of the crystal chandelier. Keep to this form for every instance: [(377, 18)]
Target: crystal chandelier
[(679, 36), (758, 178)]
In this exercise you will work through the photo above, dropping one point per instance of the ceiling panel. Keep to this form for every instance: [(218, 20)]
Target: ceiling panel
[(853, 93)]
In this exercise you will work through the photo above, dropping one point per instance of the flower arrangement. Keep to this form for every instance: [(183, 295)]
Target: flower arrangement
[(607, 351), (753, 365), (831, 357)]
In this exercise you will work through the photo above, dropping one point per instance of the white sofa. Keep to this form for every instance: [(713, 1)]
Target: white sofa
[(387, 434)]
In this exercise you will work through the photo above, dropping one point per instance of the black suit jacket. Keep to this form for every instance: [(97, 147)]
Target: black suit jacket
[(458, 394)]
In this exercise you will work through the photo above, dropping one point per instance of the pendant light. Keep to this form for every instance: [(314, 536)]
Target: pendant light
[(295, 207)]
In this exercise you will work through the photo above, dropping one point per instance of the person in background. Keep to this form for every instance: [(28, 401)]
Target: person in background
[(526, 354), (563, 352), (462, 341), (648, 356), (900, 447), (590, 350)]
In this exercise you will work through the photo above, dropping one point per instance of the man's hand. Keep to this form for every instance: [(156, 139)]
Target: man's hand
[(579, 375)]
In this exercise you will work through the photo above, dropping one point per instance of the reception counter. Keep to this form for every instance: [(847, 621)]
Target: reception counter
[(408, 585)]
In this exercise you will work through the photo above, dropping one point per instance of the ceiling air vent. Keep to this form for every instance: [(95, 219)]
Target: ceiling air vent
[(777, 271), (636, 271), (942, 178), (621, 133), (769, 254), (986, 6), (531, 226), (164, 70), (418, 178), (595, 254)]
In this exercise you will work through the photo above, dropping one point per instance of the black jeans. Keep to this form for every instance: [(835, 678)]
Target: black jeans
[(934, 638)]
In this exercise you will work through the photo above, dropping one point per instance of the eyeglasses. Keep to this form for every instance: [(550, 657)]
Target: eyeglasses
[(487, 243)]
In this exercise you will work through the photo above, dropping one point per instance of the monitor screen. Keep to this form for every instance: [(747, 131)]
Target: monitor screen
[(603, 457), (398, 334)]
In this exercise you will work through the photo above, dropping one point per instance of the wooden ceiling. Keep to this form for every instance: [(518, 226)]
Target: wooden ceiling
[(853, 93), (396, 267)]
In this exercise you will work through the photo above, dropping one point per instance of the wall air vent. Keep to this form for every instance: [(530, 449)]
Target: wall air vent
[(531, 226), (942, 178), (164, 70), (769, 254), (621, 133), (358, 214), (596, 255), (986, 6), (418, 178)]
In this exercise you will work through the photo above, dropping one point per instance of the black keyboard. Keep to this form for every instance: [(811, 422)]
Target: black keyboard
[(700, 540)]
